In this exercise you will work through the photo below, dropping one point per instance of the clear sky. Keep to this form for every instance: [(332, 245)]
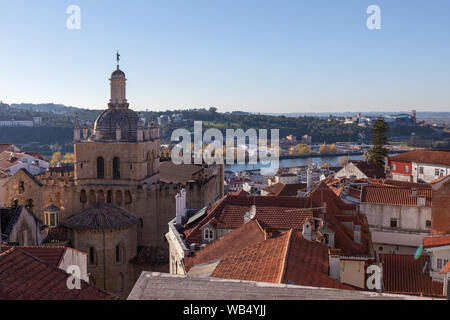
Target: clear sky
[(250, 55)]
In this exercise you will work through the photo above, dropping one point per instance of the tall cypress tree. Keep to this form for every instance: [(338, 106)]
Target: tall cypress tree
[(379, 139)]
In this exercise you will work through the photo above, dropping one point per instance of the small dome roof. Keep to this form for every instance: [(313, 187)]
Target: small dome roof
[(111, 119), (118, 73), (100, 217)]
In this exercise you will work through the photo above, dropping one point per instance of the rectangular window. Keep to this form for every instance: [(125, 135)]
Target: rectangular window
[(428, 223), (406, 168), (421, 170), (394, 167), (393, 223), (436, 172), (439, 264)]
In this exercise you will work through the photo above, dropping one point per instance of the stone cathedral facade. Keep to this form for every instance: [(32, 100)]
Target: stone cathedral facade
[(116, 201)]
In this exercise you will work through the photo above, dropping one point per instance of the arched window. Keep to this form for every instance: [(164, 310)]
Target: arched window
[(92, 256), (21, 187), (100, 168), (120, 253), (109, 196), (116, 168), (100, 196), (83, 196), (118, 197), (208, 235), (92, 197), (149, 164)]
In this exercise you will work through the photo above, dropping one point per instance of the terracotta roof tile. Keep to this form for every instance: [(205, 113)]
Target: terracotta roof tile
[(287, 258), (403, 274), (436, 241), (284, 190), (424, 156), (394, 195), (50, 255), (446, 268), (25, 277), (251, 232)]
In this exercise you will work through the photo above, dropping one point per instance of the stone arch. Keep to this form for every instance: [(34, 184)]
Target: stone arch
[(92, 197), (100, 168), (119, 197), (83, 196), (100, 196), (109, 196)]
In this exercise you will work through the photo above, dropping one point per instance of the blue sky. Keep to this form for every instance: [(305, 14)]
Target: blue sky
[(250, 55)]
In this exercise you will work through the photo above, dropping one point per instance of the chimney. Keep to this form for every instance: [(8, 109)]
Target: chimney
[(334, 260), (308, 179), (192, 248), (307, 230), (180, 203), (352, 178), (421, 200)]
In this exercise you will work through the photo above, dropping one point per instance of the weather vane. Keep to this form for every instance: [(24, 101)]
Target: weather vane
[(118, 57)]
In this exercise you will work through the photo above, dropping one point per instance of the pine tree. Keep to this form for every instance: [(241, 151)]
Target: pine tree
[(379, 139)]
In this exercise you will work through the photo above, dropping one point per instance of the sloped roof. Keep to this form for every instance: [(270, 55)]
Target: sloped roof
[(402, 184), (25, 277), (371, 170), (99, 217), (287, 258), (446, 268), (393, 195), (403, 274), (436, 241), (251, 232), (285, 190), (275, 212), (50, 255), (424, 156)]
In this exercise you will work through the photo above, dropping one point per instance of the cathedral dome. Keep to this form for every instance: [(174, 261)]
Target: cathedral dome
[(111, 119), (118, 73)]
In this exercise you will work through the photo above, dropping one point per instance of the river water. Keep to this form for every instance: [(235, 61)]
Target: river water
[(289, 163)]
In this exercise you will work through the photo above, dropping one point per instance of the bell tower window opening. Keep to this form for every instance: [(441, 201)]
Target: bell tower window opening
[(116, 168), (100, 168)]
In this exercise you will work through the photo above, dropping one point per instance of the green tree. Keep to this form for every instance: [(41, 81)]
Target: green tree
[(379, 139)]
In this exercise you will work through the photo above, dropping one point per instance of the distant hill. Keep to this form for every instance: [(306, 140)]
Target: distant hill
[(44, 107), (420, 115)]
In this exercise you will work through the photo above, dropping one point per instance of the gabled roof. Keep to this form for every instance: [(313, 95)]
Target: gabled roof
[(401, 184), (50, 255), (251, 232), (424, 156), (287, 259), (25, 277), (406, 275), (394, 195), (436, 241)]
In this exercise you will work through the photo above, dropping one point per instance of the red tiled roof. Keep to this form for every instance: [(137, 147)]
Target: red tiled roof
[(401, 184), (424, 156), (275, 212), (446, 268), (440, 179), (251, 232), (51, 255), (403, 274), (25, 277), (437, 241), (287, 258), (285, 190), (393, 195)]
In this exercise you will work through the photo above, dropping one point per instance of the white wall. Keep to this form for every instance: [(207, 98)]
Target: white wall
[(428, 171)]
